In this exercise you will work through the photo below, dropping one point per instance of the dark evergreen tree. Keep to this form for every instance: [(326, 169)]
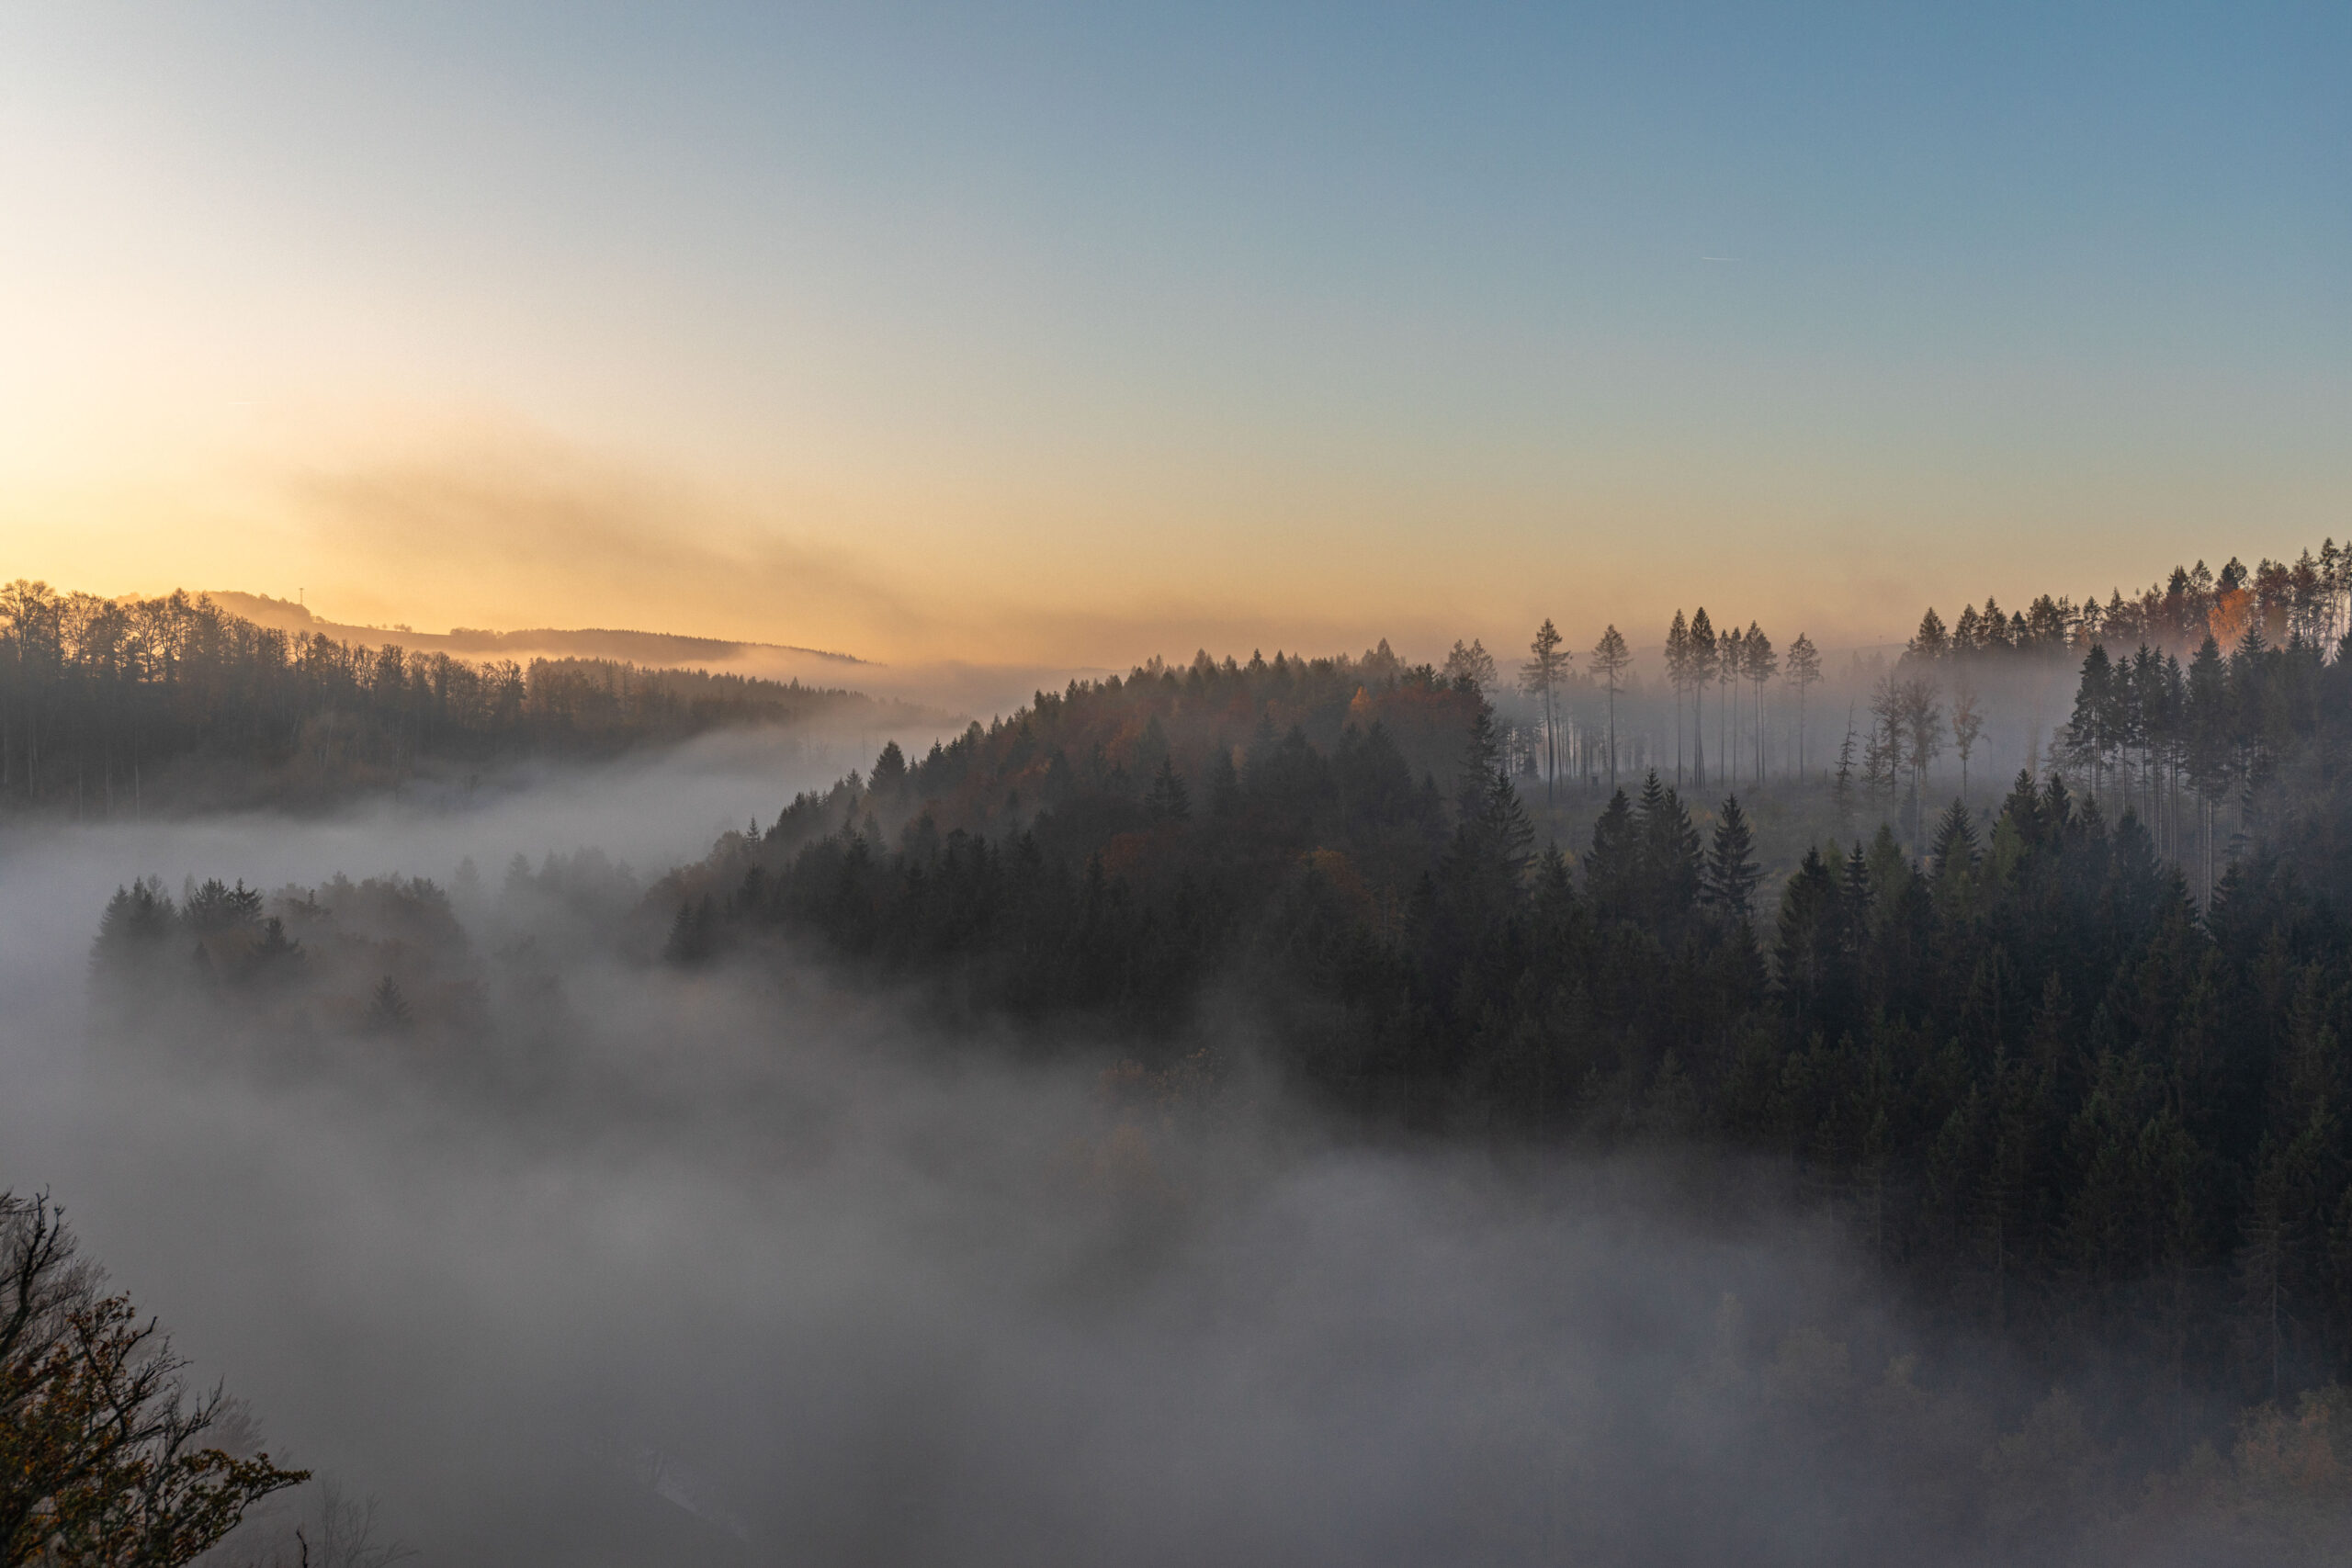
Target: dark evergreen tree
[(1732, 874)]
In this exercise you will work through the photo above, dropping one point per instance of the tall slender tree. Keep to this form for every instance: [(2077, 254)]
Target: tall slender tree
[(1699, 661), (1759, 664), (1805, 672), (1728, 660), (1677, 675), (1611, 659), (1841, 791), (1967, 724), (1540, 678), (1920, 738)]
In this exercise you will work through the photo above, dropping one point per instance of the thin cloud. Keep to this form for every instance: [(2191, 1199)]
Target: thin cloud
[(498, 531)]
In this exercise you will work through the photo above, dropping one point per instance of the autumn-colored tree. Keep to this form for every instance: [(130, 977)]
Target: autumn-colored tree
[(99, 1455)]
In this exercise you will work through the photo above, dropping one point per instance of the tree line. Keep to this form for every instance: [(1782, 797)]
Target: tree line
[(109, 706), (1934, 700)]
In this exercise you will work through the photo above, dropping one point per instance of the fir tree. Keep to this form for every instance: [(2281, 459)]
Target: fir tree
[(388, 1012), (1167, 800), (1732, 874)]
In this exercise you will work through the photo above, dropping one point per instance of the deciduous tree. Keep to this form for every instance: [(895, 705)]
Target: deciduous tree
[(101, 1460)]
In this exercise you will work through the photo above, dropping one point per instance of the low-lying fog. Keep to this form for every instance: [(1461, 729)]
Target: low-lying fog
[(753, 1272)]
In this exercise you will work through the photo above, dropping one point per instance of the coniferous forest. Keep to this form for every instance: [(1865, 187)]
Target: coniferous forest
[(2075, 1069), (2062, 1055)]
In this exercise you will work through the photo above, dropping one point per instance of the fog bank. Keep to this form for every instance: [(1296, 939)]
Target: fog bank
[(752, 1270)]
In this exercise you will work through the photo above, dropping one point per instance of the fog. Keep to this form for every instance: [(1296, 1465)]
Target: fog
[(750, 1269)]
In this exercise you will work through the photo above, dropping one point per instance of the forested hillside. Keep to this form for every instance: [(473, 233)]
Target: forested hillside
[(2057, 1087), (2069, 1065), (111, 708)]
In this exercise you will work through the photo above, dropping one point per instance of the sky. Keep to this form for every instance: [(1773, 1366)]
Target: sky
[(1022, 334)]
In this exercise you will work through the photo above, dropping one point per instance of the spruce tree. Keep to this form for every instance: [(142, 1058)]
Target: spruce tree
[(1612, 866), (1732, 874), (1670, 859), (1955, 846), (1167, 800)]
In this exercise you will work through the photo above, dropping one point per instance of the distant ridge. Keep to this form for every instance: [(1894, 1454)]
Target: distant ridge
[(586, 642)]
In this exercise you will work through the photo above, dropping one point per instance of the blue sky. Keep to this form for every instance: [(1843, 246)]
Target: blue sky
[(1033, 332)]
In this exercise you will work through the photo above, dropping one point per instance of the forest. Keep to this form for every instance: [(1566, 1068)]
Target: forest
[(2074, 1069), (112, 708), (2062, 1059)]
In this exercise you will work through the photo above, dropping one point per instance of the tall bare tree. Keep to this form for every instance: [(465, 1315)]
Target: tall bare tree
[(1610, 659), (1540, 678), (1967, 724)]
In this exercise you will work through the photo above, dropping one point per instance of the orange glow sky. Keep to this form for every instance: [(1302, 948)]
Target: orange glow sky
[(1065, 338)]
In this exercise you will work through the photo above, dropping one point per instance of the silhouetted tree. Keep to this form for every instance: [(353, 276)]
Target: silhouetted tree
[(1610, 660), (100, 1459), (1805, 672), (1540, 679), (1967, 724), (1700, 662), (1759, 663), (1732, 874)]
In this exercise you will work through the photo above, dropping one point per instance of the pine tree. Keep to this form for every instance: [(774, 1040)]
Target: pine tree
[(1759, 663), (1610, 659), (1471, 669), (1732, 874), (1670, 860), (2090, 732), (1612, 866), (1493, 840), (1225, 782), (694, 932), (1730, 657), (1841, 792), (1804, 950), (1699, 661), (1677, 675), (1805, 672), (1540, 678), (1167, 800), (1955, 846), (388, 1010)]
